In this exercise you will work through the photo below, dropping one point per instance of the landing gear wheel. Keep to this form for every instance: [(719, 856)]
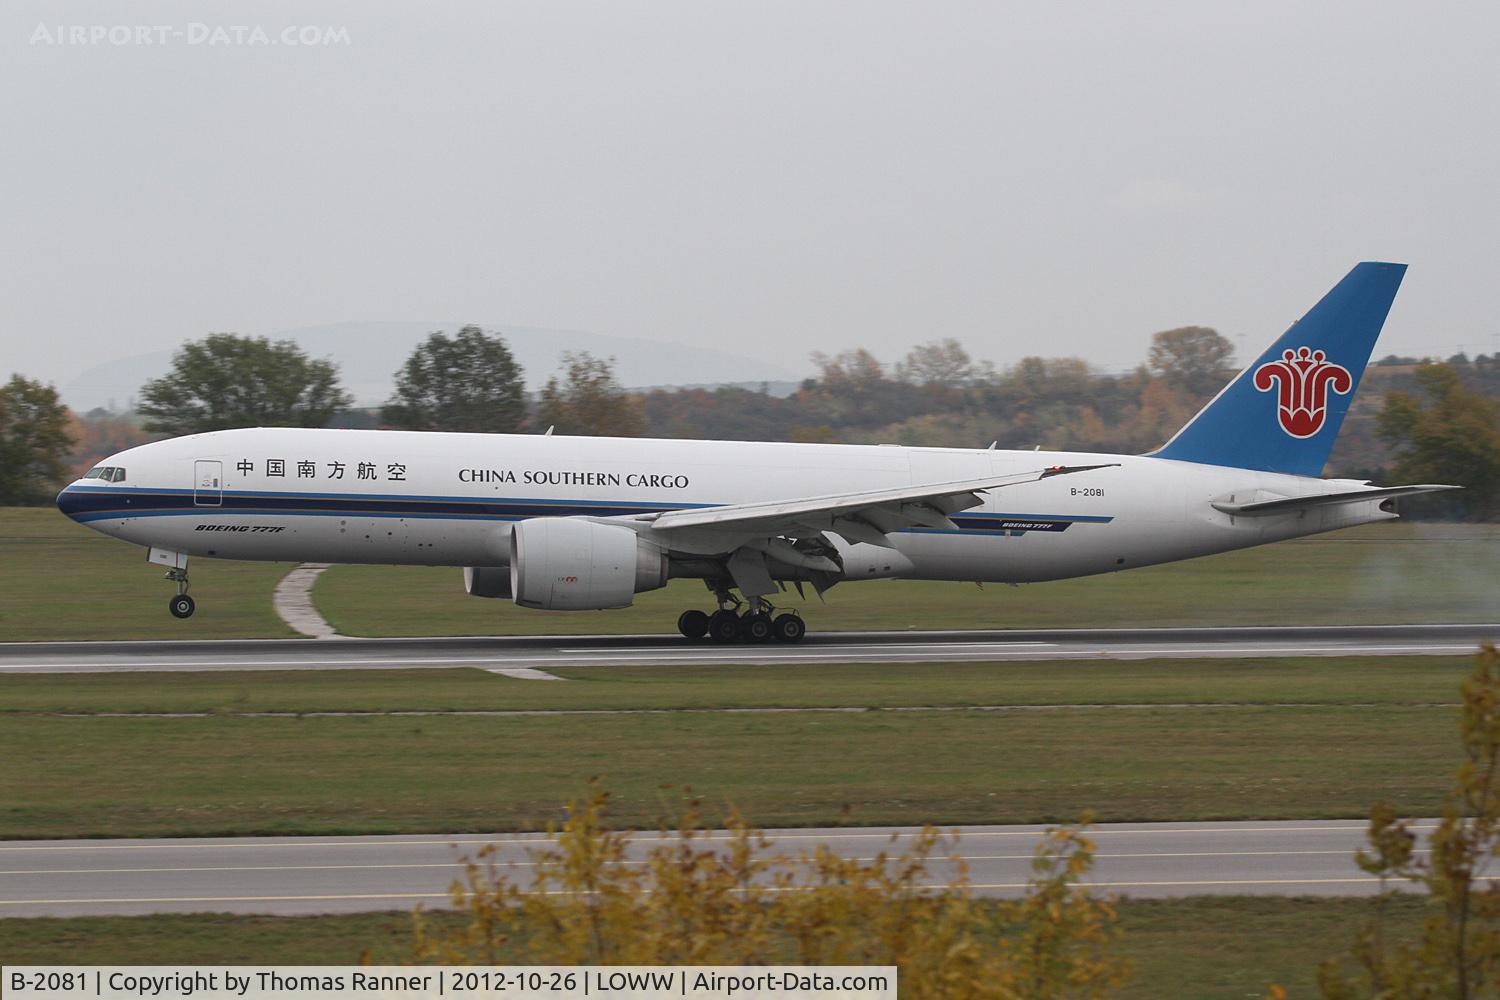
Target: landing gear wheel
[(693, 624), (756, 627), (788, 628), (724, 626), (181, 606)]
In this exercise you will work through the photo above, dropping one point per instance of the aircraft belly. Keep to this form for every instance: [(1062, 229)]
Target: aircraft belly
[(294, 538), (998, 558)]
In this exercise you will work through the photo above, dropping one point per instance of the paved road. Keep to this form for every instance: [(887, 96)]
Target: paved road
[(659, 650), (342, 874)]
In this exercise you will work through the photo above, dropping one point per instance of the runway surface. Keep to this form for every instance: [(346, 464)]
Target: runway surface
[(344, 874), (660, 650)]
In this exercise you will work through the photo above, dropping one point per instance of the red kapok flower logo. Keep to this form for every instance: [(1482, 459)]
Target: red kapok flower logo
[(1303, 378)]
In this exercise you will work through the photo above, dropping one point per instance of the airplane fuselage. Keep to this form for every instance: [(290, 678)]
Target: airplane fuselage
[(441, 499)]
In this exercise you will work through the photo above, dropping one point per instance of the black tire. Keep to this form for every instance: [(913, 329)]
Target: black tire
[(756, 627), (788, 628), (693, 624), (181, 606), (724, 626)]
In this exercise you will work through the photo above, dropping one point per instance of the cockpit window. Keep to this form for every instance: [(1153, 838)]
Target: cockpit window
[(119, 474), (108, 473), (97, 472)]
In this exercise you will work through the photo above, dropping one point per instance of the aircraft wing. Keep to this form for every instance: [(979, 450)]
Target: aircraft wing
[(1289, 504), (859, 517)]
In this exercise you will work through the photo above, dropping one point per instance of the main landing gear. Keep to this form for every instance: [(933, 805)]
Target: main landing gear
[(757, 623)]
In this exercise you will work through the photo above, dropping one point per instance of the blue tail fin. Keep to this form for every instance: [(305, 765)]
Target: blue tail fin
[(1283, 412)]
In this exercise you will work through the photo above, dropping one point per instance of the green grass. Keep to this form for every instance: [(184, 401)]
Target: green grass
[(1291, 738), (1213, 948), (1232, 947), (127, 777), (207, 939), (1307, 680), (65, 581), (1385, 573)]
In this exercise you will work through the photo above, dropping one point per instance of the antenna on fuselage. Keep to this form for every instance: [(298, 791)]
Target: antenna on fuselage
[(548, 432)]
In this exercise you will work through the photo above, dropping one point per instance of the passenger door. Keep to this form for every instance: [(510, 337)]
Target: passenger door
[(208, 483)]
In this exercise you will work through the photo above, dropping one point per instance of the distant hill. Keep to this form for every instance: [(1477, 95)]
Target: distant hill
[(368, 354)]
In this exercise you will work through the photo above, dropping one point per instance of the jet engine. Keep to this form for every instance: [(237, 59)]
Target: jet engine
[(572, 564)]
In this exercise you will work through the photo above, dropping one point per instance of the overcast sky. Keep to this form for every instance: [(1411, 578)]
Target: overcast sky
[(1031, 178)]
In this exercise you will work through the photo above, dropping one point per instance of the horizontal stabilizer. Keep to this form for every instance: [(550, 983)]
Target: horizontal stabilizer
[(1287, 505)]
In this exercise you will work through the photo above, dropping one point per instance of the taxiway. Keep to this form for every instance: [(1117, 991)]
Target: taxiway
[(345, 874)]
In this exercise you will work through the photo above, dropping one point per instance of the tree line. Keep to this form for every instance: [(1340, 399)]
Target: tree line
[(1414, 421)]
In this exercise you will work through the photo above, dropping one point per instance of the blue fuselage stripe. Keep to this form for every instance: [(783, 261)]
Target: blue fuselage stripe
[(114, 504)]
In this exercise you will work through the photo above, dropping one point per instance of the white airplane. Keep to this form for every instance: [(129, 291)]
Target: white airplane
[(585, 523)]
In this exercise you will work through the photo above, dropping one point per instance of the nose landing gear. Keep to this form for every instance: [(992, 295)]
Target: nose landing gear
[(180, 604)]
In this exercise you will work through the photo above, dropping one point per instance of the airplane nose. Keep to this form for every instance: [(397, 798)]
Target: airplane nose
[(69, 501)]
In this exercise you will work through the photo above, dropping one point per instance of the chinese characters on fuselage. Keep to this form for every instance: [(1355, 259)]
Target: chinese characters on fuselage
[(276, 468)]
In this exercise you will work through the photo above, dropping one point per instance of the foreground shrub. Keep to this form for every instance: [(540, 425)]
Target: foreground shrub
[(695, 899), (1458, 951)]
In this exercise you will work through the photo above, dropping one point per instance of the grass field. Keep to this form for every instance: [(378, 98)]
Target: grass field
[(1213, 948), (64, 581), (67, 582), (234, 775), (1286, 741), (1383, 573)]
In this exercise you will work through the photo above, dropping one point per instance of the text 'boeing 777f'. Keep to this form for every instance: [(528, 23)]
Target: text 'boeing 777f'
[(585, 523)]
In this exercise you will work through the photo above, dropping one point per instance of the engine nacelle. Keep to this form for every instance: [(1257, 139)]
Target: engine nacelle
[(572, 564), (487, 581)]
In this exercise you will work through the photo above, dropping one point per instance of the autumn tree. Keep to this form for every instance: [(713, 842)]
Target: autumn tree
[(1457, 951), (100, 433), (852, 389), (467, 382), (34, 439), (1193, 359), (723, 413), (849, 372), (1162, 412), (1446, 432), (588, 399), (942, 364), (1039, 381), (225, 380)]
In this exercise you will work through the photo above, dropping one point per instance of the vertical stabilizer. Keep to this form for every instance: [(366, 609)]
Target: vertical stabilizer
[(1283, 412)]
